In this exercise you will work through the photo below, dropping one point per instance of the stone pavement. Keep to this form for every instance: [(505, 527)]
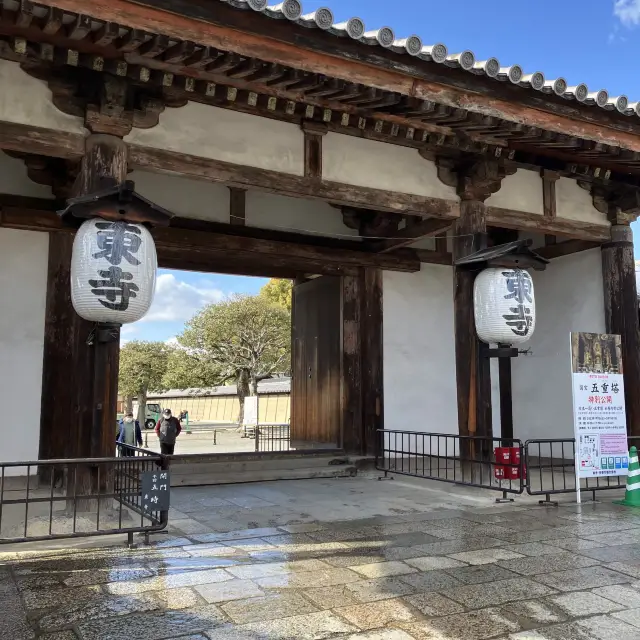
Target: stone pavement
[(344, 558)]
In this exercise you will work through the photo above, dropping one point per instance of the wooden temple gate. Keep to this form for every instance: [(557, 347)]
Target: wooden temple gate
[(407, 144)]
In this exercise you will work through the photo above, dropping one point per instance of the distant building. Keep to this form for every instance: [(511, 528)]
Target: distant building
[(221, 404)]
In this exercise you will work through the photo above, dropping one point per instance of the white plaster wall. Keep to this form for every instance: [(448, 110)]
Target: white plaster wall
[(419, 351), (270, 211), (32, 103), (15, 181), (418, 347), (23, 288), (210, 132), (569, 297), (521, 191), (185, 198), (575, 203), (368, 163)]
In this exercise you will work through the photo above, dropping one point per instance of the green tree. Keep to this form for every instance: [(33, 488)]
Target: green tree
[(244, 339), (278, 291), (187, 369), (142, 368)]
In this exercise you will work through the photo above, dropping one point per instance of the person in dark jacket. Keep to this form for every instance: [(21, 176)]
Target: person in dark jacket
[(167, 430), (130, 434)]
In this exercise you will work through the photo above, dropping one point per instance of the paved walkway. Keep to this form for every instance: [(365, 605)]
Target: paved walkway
[(344, 558)]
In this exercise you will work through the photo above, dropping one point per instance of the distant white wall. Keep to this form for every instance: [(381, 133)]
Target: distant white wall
[(297, 215), (186, 198), (15, 181), (23, 289), (418, 347), (210, 132), (378, 165), (210, 201), (575, 203), (569, 297), (521, 191), (419, 350), (32, 104)]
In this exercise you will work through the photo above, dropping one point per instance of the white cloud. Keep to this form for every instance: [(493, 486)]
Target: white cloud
[(126, 333), (627, 11), (178, 301)]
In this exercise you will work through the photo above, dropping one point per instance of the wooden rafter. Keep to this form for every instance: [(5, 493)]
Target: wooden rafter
[(250, 36), (411, 233)]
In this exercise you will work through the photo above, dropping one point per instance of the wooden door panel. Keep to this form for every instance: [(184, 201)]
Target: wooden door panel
[(316, 415)]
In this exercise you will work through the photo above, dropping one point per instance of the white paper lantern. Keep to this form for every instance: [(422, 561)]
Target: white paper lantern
[(113, 271), (504, 305)]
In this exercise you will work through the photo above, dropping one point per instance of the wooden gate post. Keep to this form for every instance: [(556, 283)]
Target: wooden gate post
[(474, 183), (621, 313), (105, 160)]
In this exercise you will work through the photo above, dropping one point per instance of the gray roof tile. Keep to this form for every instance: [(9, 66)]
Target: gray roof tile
[(355, 28)]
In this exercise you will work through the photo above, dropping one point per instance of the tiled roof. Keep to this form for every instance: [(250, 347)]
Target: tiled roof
[(412, 45)]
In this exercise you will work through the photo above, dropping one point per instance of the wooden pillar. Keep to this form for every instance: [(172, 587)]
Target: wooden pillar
[(372, 359), (105, 160), (67, 361), (352, 436), (473, 378), (621, 313)]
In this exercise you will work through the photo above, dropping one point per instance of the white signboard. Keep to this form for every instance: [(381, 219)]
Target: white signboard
[(600, 425), (250, 411)]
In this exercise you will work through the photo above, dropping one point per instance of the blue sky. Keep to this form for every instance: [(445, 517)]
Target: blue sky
[(179, 295), (590, 41)]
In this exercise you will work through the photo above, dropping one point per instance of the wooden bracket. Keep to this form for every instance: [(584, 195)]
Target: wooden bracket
[(620, 204), (473, 179)]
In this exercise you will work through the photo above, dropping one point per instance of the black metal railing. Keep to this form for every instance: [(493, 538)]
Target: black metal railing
[(462, 460), (73, 498), (273, 437), (549, 467)]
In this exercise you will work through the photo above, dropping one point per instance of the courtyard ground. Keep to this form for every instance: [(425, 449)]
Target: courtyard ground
[(350, 558)]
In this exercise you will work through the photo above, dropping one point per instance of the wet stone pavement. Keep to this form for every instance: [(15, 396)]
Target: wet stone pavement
[(341, 558)]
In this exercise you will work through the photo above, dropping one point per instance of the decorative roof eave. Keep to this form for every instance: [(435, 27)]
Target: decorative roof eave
[(412, 45)]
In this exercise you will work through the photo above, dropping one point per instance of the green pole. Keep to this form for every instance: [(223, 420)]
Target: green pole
[(187, 419)]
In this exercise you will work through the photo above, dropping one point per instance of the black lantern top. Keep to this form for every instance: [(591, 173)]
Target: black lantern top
[(514, 255), (115, 202)]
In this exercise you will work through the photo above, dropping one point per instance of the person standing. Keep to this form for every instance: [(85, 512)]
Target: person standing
[(167, 430), (130, 434)]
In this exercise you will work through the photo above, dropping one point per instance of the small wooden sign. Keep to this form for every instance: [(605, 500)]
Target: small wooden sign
[(156, 490)]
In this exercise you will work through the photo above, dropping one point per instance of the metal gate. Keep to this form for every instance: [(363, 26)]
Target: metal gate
[(76, 498)]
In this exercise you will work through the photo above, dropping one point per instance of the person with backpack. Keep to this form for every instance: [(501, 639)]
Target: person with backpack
[(167, 430)]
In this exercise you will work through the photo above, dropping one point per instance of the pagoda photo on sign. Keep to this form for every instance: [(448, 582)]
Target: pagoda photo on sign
[(600, 424)]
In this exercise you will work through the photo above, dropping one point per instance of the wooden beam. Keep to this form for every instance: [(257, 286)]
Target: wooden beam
[(434, 257), (441, 243), (621, 314), (549, 204), (313, 134), (565, 248), (282, 253), (410, 234), (255, 246), (289, 184), (41, 141), (237, 206), (269, 40), (521, 220)]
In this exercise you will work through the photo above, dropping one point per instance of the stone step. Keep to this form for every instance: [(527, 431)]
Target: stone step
[(188, 471)]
